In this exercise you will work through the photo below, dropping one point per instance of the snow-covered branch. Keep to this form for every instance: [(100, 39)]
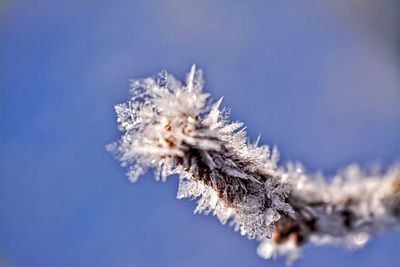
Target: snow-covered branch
[(172, 128)]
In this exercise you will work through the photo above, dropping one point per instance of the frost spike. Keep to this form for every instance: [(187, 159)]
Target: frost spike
[(190, 78)]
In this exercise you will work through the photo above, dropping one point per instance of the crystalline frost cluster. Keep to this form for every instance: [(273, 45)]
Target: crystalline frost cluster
[(174, 129)]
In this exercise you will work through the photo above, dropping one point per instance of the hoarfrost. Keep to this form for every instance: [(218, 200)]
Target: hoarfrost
[(172, 128)]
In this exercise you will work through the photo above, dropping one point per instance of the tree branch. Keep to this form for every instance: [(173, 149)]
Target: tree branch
[(172, 128)]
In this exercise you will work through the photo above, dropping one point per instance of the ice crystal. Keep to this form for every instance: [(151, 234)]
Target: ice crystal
[(173, 128)]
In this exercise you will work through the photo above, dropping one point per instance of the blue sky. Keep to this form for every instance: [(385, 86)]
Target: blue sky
[(319, 79)]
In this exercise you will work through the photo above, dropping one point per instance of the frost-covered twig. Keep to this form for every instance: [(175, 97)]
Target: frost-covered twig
[(172, 128)]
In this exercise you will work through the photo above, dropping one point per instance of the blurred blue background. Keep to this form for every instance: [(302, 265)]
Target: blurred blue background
[(320, 79)]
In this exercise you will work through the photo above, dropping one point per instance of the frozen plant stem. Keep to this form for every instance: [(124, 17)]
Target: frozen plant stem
[(170, 127)]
